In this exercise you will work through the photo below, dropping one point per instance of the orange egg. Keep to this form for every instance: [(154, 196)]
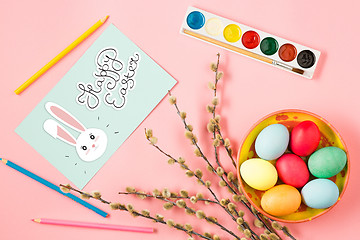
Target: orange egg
[(281, 200)]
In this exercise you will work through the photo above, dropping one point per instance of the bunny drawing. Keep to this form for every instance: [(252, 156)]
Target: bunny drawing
[(90, 144)]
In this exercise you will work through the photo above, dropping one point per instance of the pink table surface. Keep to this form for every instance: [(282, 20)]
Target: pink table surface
[(33, 32)]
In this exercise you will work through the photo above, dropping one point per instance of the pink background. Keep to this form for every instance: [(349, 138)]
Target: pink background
[(33, 32)]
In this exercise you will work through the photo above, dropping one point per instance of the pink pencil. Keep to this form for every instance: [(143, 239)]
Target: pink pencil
[(93, 225)]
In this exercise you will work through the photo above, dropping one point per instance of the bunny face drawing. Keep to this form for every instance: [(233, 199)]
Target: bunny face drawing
[(90, 144)]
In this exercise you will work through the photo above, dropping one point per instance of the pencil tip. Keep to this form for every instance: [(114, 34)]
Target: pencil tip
[(104, 18), (4, 160), (37, 220)]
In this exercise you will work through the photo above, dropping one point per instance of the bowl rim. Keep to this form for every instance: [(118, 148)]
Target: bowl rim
[(293, 111)]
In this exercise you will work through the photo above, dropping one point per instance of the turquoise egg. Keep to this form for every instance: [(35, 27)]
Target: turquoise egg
[(327, 162), (320, 193), (272, 142)]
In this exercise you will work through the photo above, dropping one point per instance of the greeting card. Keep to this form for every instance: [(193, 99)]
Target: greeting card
[(96, 106)]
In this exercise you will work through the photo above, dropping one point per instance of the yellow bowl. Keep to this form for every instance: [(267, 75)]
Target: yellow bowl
[(290, 118)]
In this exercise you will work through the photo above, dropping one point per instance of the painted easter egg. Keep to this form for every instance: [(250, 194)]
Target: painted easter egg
[(304, 138), (320, 193), (258, 173), (292, 170), (272, 142), (327, 162), (281, 200)]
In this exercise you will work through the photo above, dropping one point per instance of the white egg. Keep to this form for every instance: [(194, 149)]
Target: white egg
[(272, 142), (320, 193)]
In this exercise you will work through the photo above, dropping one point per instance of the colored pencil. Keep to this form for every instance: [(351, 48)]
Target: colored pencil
[(60, 55), (53, 187), (93, 225)]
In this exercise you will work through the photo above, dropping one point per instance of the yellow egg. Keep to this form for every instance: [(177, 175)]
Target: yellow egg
[(258, 173), (281, 200)]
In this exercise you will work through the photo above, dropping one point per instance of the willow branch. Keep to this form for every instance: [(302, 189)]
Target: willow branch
[(190, 210), (172, 197), (135, 213), (184, 166)]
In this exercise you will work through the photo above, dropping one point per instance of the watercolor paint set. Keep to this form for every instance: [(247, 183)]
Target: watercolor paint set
[(251, 42)]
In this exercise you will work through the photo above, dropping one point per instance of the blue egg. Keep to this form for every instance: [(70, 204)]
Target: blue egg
[(272, 142), (195, 20), (320, 193)]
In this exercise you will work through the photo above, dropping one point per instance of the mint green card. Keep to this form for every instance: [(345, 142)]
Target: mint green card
[(96, 106)]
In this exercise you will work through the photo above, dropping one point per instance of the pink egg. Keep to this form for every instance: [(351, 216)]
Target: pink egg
[(304, 138), (292, 170)]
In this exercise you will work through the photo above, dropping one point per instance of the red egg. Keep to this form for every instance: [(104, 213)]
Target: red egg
[(292, 170), (304, 138)]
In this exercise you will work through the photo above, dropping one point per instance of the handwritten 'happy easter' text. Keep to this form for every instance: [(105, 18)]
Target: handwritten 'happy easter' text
[(109, 80)]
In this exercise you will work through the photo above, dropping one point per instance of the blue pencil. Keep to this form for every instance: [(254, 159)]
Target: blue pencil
[(53, 187)]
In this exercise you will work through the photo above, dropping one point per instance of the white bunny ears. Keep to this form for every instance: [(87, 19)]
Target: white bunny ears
[(91, 143), (57, 131)]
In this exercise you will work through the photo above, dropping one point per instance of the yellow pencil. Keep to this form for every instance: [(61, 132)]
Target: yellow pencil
[(61, 55)]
